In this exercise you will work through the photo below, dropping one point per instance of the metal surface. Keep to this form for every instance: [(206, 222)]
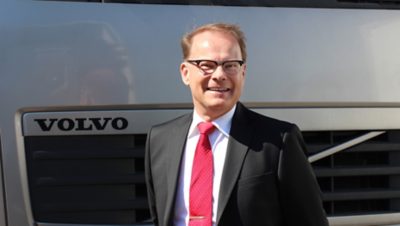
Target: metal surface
[(88, 56), (312, 55), (368, 220), (94, 122), (142, 117)]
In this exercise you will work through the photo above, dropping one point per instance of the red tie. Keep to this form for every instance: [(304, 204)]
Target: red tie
[(200, 196)]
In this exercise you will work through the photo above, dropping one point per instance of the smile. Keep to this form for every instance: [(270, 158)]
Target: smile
[(218, 89)]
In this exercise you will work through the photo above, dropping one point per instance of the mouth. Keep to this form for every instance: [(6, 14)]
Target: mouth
[(218, 89)]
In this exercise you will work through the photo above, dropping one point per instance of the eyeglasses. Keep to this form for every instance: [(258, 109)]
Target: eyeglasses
[(231, 67)]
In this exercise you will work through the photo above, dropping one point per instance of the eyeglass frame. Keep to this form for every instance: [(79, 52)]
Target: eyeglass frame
[(218, 63)]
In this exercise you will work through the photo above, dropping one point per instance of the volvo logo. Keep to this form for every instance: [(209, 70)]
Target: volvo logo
[(82, 124), (94, 122)]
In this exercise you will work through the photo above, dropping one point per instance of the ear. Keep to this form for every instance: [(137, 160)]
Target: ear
[(244, 71), (184, 73)]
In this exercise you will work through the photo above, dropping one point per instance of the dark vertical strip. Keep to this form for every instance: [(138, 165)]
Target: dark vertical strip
[(2, 184)]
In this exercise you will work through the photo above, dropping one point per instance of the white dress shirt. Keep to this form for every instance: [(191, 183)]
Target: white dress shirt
[(219, 143)]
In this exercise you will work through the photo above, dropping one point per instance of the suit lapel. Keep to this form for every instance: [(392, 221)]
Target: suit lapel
[(178, 136), (239, 141)]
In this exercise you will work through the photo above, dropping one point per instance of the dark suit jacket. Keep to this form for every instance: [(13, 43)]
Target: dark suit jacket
[(266, 180)]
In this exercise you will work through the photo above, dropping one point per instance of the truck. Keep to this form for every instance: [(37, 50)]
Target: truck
[(82, 81)]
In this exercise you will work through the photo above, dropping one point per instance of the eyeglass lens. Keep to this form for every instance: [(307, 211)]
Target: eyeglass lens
[(209, 66)]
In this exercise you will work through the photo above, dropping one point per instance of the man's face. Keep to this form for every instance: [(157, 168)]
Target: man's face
[(216, 93)]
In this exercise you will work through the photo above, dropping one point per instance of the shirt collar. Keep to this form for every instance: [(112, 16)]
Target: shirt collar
[(223, 123)]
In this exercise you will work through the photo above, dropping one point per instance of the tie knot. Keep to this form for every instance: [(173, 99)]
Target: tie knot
[(205, 127)]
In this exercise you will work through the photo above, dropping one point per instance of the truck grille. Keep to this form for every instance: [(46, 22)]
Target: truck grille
[(363, 179), (99, 179), (87, 179)]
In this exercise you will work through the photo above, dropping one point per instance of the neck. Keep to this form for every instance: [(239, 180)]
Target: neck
[(210, 115)]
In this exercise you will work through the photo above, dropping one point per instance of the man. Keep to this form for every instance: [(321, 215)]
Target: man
[(259, 172)]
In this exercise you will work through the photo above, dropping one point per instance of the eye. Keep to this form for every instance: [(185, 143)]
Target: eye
[(231, 65), (207, 65)]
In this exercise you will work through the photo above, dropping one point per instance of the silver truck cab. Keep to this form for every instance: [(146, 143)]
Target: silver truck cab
[(81, 83)]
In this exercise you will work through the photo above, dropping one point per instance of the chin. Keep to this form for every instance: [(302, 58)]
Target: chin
[(222, 106)]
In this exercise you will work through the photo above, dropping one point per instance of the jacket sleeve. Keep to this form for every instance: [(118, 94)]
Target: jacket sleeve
[(149, 181), (299, 191)]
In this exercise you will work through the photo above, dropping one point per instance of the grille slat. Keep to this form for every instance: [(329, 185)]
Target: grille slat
[(361, 195), (91, 180), (370, 147), (88, 154), (356, 171), (139, 203)]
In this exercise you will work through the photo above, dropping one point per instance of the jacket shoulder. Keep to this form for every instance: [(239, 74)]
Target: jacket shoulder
[(169, 128), (183, 119), (266, 122)]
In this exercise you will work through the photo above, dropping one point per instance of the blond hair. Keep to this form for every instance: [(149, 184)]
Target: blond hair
[(231, 29)]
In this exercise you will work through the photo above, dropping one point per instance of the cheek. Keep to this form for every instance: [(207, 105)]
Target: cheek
[(238, 82), (198, 82), (195, 86)]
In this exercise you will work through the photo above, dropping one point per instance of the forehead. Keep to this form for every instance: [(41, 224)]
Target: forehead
[(215, 42)]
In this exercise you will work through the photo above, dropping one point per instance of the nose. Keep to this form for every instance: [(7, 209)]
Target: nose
[(219, 74)]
